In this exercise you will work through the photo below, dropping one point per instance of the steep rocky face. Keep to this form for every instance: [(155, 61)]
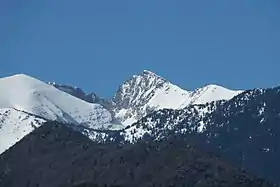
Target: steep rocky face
[(55, 155), (138, 90), (132, 100)]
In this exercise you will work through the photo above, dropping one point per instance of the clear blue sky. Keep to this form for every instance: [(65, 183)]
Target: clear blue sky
[(96, 44)]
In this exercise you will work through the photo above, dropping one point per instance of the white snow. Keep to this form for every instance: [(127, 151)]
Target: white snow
[(14, 125), (173, 97), (170, 96), (129, 121), (211, 93), (201, 126), (177, 98)]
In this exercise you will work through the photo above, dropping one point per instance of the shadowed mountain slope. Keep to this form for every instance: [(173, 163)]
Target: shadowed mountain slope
[(55, 155)]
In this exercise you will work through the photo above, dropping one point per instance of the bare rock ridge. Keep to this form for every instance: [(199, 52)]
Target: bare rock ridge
[(77, 92)]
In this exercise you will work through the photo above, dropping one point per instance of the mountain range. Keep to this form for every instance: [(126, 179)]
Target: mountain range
[(241, 126), (26, 102)]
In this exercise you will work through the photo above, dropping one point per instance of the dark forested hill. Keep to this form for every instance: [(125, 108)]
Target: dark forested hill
[(55, 155)]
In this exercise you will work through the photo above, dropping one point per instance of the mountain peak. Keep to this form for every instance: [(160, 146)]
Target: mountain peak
[(212, 86), (150, 74), (215, 86), (147, 71), (18, 77), (137, 85), (140, 83)]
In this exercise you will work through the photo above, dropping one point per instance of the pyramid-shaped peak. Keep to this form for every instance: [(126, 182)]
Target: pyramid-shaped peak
[(145, 76), (147, 72), (150, 74)]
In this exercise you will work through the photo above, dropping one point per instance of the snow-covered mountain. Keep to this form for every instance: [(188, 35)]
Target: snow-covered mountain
[(148, 92), (26, 101)]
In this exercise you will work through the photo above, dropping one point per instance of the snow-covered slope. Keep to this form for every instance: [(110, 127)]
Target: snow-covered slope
[(28, 94), (14, 125), (26, 101), (210, 93), (148, 92)]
